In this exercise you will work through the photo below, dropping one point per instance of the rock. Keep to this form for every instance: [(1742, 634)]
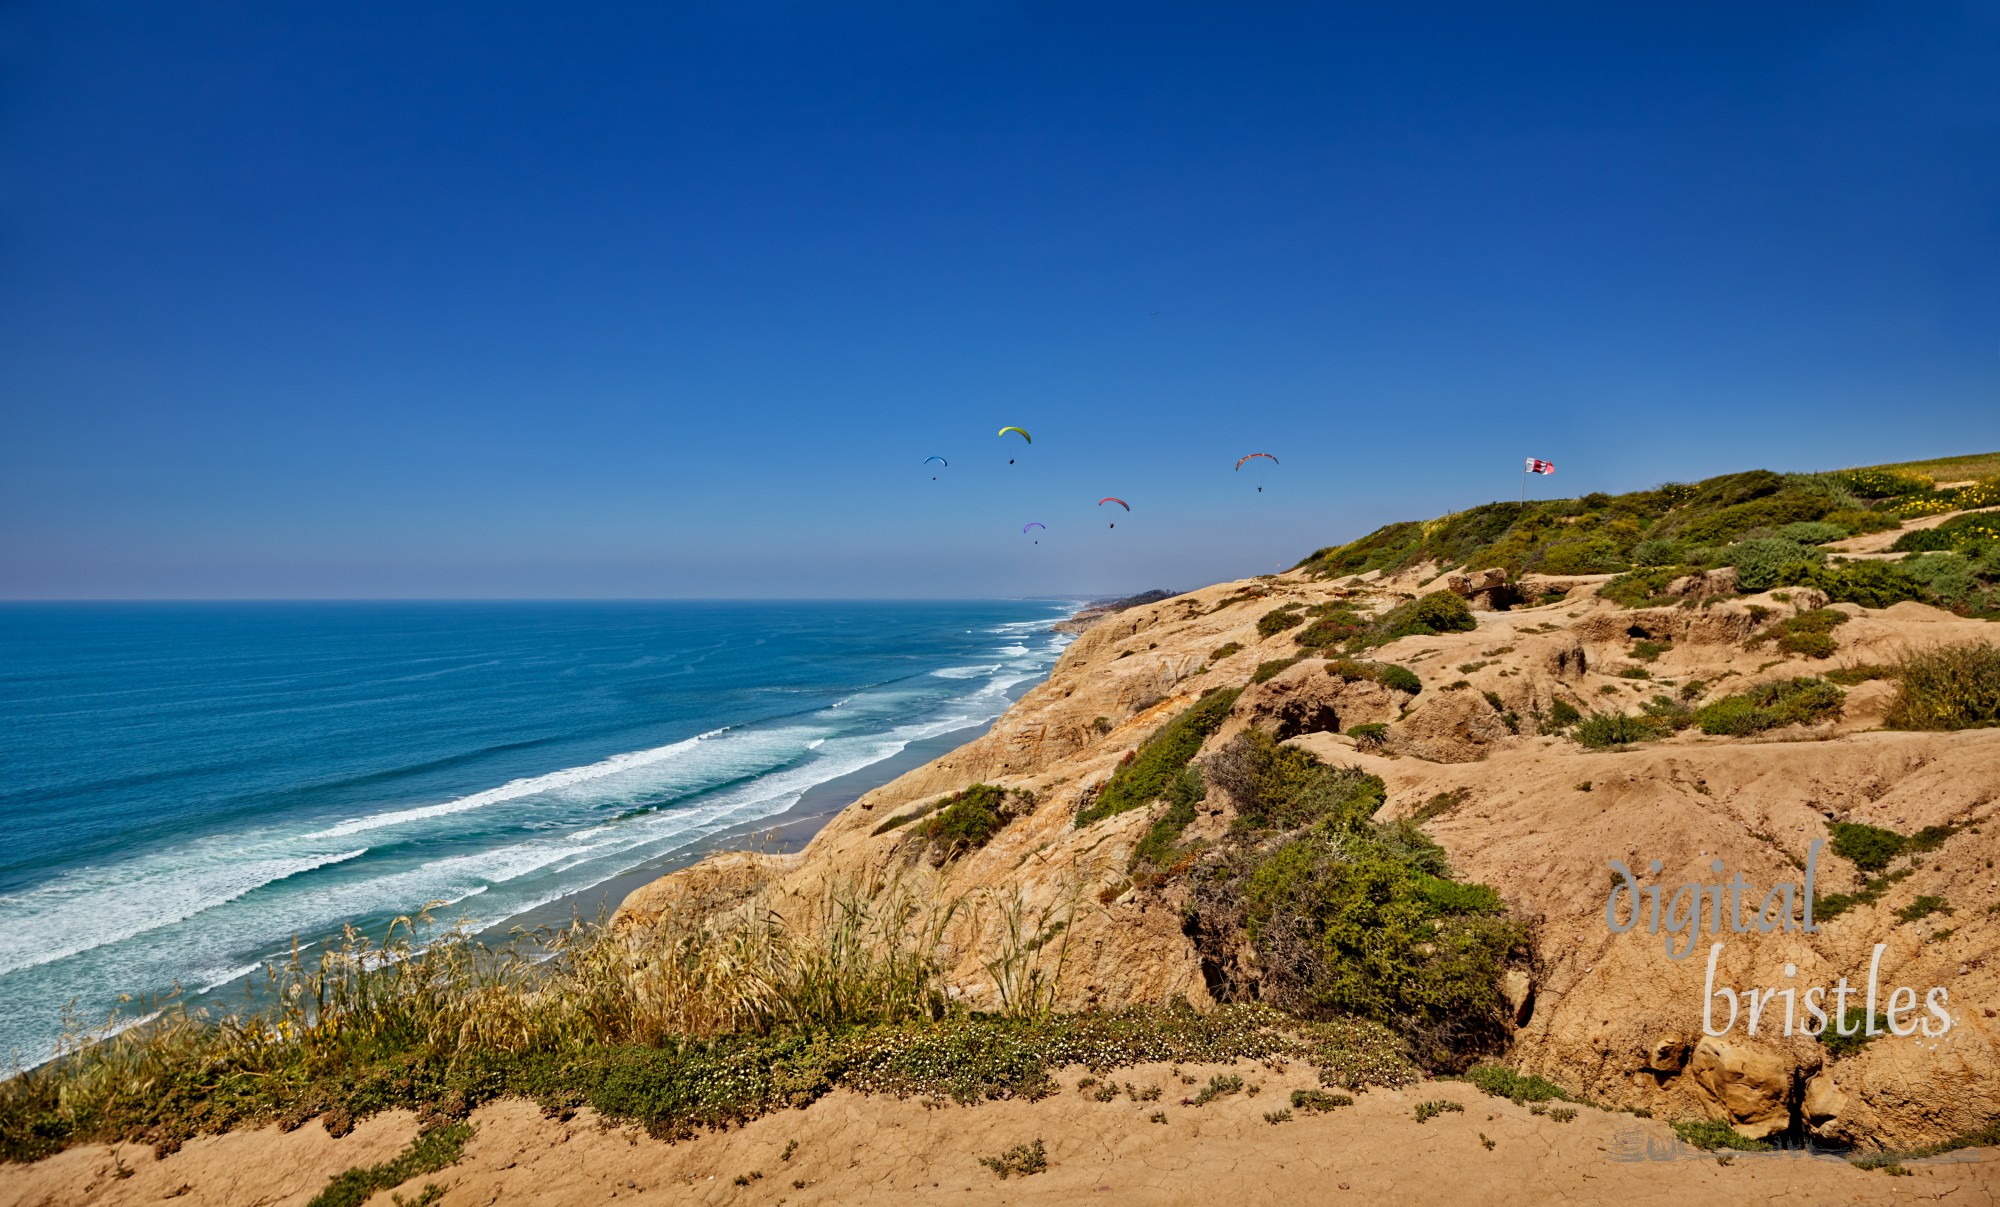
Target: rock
[(1449, 727), (1519, 990), (1823, 1105), (1746, 1087), (1305, 699), (1667, 1054), (1703, 584)]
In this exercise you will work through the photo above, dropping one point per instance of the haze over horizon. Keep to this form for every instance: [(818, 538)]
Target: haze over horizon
[(496, 301)]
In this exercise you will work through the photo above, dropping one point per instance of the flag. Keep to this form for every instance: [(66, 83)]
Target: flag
[(1538, 466)]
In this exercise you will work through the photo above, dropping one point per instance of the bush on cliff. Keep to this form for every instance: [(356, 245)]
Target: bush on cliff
[(967, 820), (1804, 701), (1160, 765), (1347, 917), (1426, 615)]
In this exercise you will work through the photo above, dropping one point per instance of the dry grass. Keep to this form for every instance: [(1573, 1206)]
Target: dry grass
[(1950, 469), (865, 953)]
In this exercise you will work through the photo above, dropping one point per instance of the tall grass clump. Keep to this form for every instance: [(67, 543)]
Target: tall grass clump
[(1948, 687), (431, 1019)]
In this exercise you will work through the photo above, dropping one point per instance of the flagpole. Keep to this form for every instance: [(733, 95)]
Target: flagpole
[(1524, 486)]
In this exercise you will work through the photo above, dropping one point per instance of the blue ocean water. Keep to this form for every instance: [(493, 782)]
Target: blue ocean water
[(184, 787)]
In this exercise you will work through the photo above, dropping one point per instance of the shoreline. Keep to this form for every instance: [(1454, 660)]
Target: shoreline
[(780, 833)]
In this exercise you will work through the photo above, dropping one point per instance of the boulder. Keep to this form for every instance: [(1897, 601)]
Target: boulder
[(1823, 1106), (1703, 584), (1519, 990), (1449, 727), (1666, 1054), (1303, 698), (1746, 1087)]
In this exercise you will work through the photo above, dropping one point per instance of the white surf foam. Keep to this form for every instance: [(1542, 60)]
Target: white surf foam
[(81, 911), (515, 789)]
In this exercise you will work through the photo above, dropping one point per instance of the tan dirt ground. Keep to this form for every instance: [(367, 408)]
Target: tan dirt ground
[(854, 1149)]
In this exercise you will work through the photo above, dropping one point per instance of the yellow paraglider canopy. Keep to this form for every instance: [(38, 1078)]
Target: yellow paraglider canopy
[(1023, 431)]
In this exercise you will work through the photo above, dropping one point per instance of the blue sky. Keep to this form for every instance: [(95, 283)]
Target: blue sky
[(462, 300)]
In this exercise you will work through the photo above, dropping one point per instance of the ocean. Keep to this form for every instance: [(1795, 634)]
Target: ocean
[(186, 787)]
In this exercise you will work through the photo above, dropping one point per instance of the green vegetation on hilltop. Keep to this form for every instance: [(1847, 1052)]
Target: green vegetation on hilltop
[(1770, 527)]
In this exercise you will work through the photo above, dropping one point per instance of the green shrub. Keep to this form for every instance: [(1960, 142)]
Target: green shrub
[(1729, 523), (1871, 584), (1953, 580), (1764, 563), (1427, 1111), (1319, 1102), (1348, 917), (1960, 533), (1021, 1160), (1148, 773), (1656, 553), (1332, 625), (1503, 1082), (1869, 848), (1427, 615), (1402, 678), (1848, 676), (1708, 1134), (1369, 733), (1880, 483), (1811, 532), (1280, 787), (1563, 714), (1643, 588), (1808, 634), (1922, 907), (1857, 521), (1831, 906), (1587, 555), (1222, 1085), (1847, 1031), (1804, 701), (1278, 619), (1948, 687), (432, 1150), (1159, 846), (1271, 669), (1388, 674), (967, 820), (1601, 730), (1223, 651)]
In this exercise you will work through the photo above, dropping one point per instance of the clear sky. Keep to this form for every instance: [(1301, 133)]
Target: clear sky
[(672, 299)]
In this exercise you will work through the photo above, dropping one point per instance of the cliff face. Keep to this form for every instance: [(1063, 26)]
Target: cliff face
[(1537, 816)]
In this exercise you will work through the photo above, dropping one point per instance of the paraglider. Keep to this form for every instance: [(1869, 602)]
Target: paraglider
[(1033, 524), (1110, 499), (940, 461), (1020, 431), (1253, 457)]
